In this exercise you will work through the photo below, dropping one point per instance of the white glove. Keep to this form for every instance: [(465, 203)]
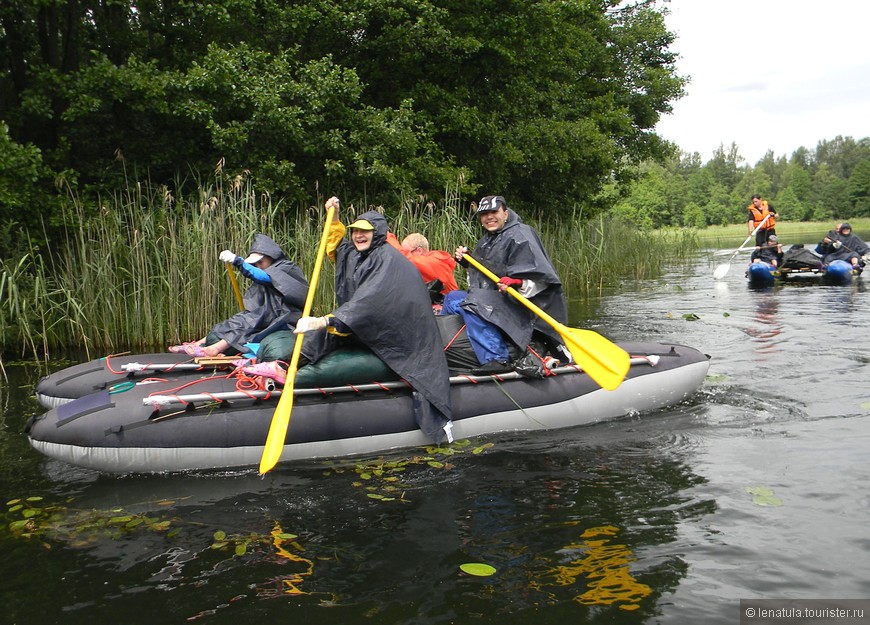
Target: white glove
[(308, 324), (837, 245), (227, 256)]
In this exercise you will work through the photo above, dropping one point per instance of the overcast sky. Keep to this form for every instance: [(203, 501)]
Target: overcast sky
[(769, 74)]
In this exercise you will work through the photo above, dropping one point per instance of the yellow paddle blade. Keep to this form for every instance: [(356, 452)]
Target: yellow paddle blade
[(281, 417), (605, 362)]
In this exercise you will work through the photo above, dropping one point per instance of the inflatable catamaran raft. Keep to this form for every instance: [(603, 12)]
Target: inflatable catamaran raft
[(167, 412)]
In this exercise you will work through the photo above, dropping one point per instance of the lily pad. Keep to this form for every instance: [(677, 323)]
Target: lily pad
[(763, 496), (477, 568)]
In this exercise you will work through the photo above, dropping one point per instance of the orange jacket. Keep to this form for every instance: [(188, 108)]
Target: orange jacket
[(432, 265), (757, 216)]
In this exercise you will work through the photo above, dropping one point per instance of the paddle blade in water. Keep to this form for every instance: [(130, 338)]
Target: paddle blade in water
[(605, 362), (280, 422), (721, 271)]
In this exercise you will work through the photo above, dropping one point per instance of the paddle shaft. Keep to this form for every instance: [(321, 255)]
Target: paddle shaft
[(281, 417), (235, 284), (522, 300)]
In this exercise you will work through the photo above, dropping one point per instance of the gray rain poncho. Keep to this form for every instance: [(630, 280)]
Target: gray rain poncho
[(851, 245), (268, 306), (515, 251), (387, 307)]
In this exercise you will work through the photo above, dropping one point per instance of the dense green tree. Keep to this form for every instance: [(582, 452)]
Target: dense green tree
[(725, 165), (828, 193), (21, 172), (544, 101), (842, 154), (859, 189), (789, 206), (647, 204)]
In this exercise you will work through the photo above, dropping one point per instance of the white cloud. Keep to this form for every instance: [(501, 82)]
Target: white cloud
[(769, 74)]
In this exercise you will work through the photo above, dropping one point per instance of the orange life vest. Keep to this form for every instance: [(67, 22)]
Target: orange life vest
[(759, 215)]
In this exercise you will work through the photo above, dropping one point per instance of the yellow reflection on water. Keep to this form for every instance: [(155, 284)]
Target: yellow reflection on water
[(606, 566)]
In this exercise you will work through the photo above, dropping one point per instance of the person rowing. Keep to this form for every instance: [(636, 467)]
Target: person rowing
[(843, 244), (499, 328)]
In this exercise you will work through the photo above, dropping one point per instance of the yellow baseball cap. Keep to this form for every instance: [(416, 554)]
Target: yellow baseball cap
[(361, 224)]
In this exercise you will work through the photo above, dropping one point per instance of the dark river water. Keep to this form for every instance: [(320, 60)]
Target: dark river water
[(755, 488)]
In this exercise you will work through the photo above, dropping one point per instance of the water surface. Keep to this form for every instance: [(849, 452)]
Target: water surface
[(756, 487)]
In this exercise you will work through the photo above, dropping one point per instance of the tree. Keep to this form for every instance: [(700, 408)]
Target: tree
[(859, 189), (789, 206), (830, 196), (647, 204)]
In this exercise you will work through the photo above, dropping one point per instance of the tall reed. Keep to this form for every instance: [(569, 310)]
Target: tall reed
[(140, 270)]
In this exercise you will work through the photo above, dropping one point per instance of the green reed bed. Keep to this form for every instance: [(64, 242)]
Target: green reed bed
[(141, 269)]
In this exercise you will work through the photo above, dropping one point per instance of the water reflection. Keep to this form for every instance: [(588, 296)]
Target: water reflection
[(765, 327), (578, 529)]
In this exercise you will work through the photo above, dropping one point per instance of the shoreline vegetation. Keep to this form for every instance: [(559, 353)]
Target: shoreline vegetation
[(142, 271)]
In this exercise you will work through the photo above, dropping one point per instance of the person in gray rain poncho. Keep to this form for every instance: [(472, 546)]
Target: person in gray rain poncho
[(843, 244), (383, 304), (274, 301), (510, 249)]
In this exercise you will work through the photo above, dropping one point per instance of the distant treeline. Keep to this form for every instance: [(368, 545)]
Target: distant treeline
[(830, 182)]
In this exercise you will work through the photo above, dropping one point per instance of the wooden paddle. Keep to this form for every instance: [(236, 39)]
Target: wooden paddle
[(604, 361), (722, 269), (281, 417), (235, 284)]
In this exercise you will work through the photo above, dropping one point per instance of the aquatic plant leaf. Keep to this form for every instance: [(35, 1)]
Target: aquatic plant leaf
[(691, 317), (763, 496), (241, 549), (119, 519), (435, 464), (866, 406), (477, 568), (35, 498), (18, 525), (219, 545), (12, 502), (16, 508), (220, 535), (482, 448)]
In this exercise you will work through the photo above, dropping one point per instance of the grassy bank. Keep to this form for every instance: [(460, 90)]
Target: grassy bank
[(142, 270), (788, 232)]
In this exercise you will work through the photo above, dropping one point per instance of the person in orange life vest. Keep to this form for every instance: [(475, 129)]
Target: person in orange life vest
[(432, 264), (758, 210)]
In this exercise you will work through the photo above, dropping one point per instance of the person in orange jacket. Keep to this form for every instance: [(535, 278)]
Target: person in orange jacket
[(759, 210), (432, 264)]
